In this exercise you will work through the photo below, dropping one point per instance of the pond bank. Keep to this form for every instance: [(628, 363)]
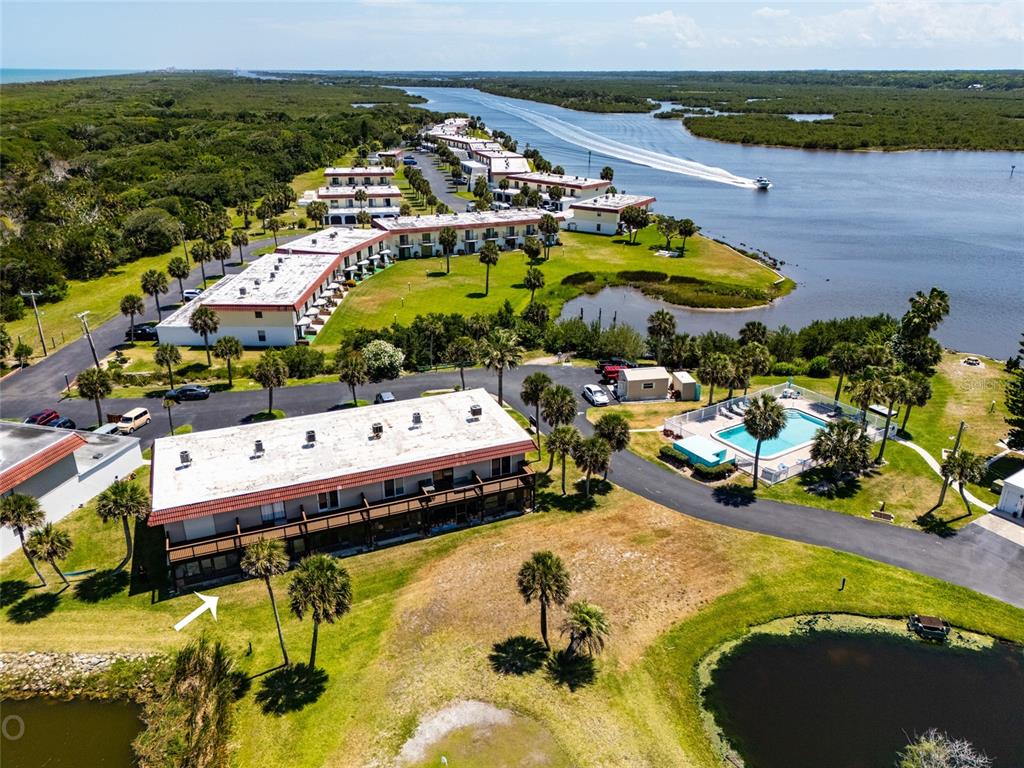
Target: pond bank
[(76, 675)]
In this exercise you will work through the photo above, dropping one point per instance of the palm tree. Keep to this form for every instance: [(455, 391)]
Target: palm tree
[(240, 239), (50, 544), (221, 251), (764, 420), (489, 258), (168, 356), (154, 282), (687, 229), (179, 269), (668, 227), (533, 281), (264, 559), (919, 392), (132, 305), (587, 627), (614, 429), (361, 197), (123, 500), (548, 227), (500, 352), (461, 351), (753, 359), (841, 447), (432, 327), (203, 322), (562, 442), (897, 389), (228, 348), (20, 513), (865, 390), (350, 366), (323, 589), (168, 404), (94, 384), (607, 173), (202, 253), (264, 211), (926, 313), (274, 224), (961, 467), (448, 238), (316, 211), (534, 386), (714, 369), (270, 372), (592, 455), (753, 331), (544, 579), (558, 407), (245, 210), (661, 327), (844, 360)]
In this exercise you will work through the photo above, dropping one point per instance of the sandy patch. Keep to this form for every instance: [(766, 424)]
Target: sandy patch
[(460, 714)]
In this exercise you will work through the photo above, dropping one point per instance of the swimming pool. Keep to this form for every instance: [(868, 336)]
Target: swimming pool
[(800, 429)]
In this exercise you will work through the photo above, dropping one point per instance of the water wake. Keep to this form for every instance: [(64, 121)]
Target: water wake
[(596, 143)]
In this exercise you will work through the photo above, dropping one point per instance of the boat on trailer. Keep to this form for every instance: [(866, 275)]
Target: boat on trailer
[(929, 627)]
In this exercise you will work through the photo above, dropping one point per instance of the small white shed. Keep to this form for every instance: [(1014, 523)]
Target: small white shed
[(643, 383), (1012, 498)]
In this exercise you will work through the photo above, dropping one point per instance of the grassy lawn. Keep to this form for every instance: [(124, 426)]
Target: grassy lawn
[(419, 286), (426, 615)]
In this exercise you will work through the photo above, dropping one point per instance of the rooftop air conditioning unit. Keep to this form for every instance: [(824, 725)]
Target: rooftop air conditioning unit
[(476, 411), (417, 419), (280, 259), (258, 449), (257, 281), (378, 430), (310, 437), (241, 290), (313, 241), (186, 458)]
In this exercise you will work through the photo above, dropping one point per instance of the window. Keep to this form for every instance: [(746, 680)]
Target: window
[(394, 488), (599, 225), (647, 385), (272, 513), (261, 335), (259, 315), (502, 466), (328, 500)]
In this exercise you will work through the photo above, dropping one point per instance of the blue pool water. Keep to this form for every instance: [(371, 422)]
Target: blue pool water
[(800, 428)]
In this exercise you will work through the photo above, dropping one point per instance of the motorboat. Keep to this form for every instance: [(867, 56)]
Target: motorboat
[(762, 183)]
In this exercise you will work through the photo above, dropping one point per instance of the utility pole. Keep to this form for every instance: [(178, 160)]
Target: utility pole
[(83, 318), (956, 447), (39, 323)]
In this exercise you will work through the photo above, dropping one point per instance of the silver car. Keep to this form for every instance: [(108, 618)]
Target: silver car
[(595, 394)]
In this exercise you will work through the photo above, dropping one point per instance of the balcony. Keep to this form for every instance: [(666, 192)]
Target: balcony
[(425, 499)]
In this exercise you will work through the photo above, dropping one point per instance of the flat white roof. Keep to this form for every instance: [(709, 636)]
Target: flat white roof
[(360, 170), (618, 202), (1016, 479), (652, 373), (374, 190), (561, 179), (223, 463), (466, 220), (684, 377), (333, 240)]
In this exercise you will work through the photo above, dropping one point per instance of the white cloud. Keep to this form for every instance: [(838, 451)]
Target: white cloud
[(772, 13), (679, 28)]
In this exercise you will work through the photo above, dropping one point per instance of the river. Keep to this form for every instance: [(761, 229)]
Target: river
[(860, 232)]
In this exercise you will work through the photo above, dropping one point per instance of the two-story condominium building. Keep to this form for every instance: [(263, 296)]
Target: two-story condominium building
[(343, 207), (284, 296), (501, 163), (601, 214), (359, 176), (573, 187), (343, 481), (416, 236)]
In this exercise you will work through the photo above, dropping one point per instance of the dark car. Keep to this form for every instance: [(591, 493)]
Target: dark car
[(384, 397), (143, 332), (188, 392), (44, 418), (409, 161), (64, 423)]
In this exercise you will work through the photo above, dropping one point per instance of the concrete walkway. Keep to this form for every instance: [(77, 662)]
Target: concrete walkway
[(937, 469)]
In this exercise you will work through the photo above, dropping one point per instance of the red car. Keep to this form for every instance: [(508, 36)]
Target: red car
[(610, 374), (43, 418)]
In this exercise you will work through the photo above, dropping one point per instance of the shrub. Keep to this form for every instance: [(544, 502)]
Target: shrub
[(711, 474), (303, 362), (383, 360), (818, 367), (670, 455), (578, 278), (642, 276), (688, 279), (787, 369)]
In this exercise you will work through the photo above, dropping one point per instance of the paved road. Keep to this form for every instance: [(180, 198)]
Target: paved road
[(973, 558), (439, 182), (40, 384)]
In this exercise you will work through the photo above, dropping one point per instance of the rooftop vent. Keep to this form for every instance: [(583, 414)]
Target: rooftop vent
[(476, 411), (313, 241), (271, 275), (280, 259), (258, 448), (241, 290), (310, 436), (378, 430), (416, 418), (186, 458), (257, 281)]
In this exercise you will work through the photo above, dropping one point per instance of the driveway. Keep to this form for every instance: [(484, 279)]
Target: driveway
[(439, 183), (973, 558)]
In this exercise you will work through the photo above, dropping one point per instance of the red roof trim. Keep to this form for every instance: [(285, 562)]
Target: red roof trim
[(493, 224), (300, 490), (564, 185), (30, 467), (583, 205)]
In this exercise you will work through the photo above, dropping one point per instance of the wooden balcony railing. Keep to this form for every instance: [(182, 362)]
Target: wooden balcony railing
[(220, 544)]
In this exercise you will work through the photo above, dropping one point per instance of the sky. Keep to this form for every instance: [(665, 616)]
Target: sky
[(509, 35)]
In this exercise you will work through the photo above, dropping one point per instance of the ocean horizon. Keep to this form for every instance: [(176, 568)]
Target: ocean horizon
[(10, 75)]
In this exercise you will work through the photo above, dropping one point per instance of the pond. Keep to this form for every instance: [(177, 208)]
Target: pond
[(853, 700), (54, 733)]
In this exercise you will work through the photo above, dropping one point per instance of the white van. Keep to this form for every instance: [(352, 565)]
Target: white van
[(132, 420)]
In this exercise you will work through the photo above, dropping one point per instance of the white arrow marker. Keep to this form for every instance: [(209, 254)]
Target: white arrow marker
[(209, 604)]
